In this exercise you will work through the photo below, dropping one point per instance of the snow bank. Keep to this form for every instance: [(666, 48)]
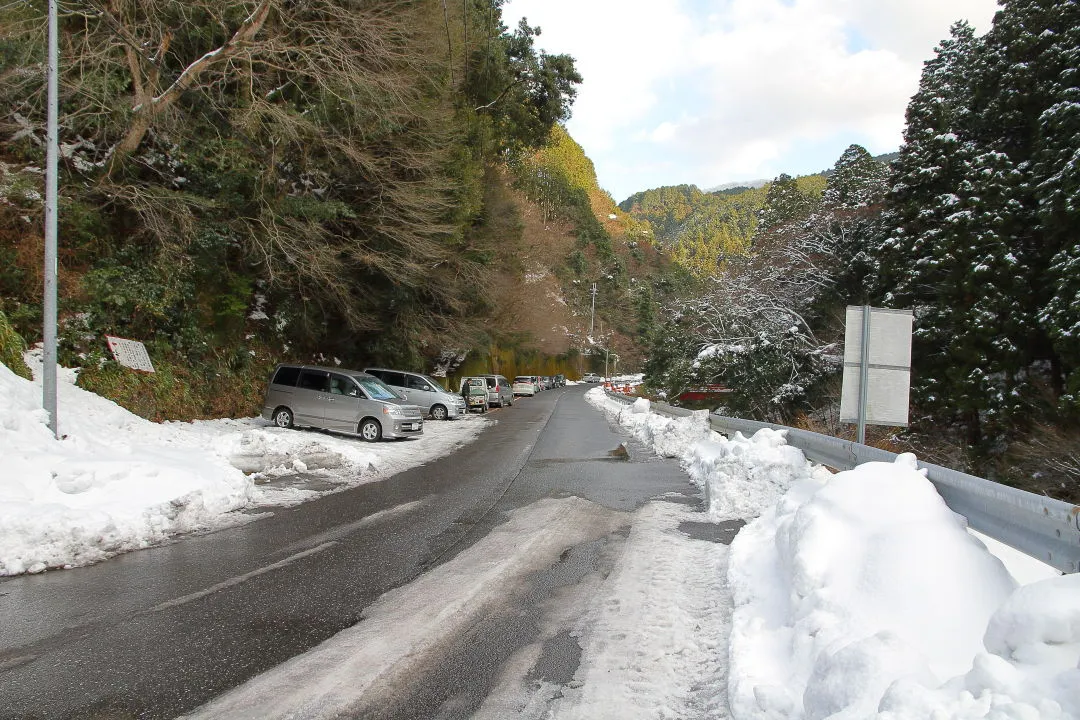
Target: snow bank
[(98, 491), (861, 596), (669, 437), (116, 482), (740, 476)]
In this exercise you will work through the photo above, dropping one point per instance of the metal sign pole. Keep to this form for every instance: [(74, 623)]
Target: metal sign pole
[(48, 367), (864, 373)]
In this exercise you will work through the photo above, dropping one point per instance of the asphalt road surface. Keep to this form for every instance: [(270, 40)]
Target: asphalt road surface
[(162, 632)]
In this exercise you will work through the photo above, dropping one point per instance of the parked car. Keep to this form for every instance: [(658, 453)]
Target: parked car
[(525, 385), (342, 400), (545, 382), (560, 380), (500, 391), (475, 392), (590, 378), (423, 391)]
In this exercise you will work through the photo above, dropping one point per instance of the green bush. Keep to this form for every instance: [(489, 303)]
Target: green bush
[(11, 349)]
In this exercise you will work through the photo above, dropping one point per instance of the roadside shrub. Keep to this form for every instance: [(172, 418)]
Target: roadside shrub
[(12, 347)]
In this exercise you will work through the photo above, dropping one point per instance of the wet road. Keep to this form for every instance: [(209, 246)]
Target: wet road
[(160, 632)]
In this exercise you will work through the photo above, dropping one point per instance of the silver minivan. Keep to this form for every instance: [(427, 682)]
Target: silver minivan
[(500, 391), (423, 391), (337, 399)]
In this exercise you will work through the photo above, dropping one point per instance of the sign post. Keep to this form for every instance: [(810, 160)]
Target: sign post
[(48, 360), (877, 368)]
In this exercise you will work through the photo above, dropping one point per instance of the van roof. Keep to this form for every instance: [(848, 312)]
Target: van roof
[(339, 370)]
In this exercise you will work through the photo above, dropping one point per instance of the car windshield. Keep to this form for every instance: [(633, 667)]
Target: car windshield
[(376, 389), (522, 379)]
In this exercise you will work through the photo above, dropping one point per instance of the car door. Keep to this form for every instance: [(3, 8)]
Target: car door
[(420, 392), (342, 404), (312, 393)]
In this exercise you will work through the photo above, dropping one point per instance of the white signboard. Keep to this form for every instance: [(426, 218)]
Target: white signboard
[(130, 353), (888, 367)]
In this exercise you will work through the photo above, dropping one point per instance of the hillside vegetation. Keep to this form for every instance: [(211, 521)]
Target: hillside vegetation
[(334, 181), (699, 229)]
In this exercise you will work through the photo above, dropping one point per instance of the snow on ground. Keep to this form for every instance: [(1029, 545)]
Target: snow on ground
[(116, 482), (654, 639), (861, 594)]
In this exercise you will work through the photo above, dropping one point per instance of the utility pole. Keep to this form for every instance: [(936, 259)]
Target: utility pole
[(48, 362), (592, 314)]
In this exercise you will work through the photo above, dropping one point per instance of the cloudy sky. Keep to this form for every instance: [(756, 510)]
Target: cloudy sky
[(717, 91)]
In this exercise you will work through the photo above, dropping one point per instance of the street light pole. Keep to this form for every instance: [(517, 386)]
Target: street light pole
[(48, 361), (592, 313)]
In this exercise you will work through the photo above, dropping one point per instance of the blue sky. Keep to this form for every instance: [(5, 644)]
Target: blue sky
[(710, 92)]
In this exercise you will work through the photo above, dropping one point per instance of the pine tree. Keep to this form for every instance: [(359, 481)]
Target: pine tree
[(979, 228), (784, 203), (848, 221), (1027, 107), (857, 181)]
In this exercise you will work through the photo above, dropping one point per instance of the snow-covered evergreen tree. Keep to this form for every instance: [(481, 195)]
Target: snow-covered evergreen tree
[(784, 204), (857, 181), (980, 228)]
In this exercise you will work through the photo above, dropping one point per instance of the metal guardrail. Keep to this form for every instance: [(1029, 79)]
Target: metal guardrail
[(1042, 527)]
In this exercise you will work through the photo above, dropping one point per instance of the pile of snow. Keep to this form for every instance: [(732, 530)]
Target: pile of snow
[(739, 476), (861, 594), (116, 482), (669, 437)]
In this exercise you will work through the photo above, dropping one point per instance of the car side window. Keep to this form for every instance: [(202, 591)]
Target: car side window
[(341, 385), (416, 383), (394, 378), (317, 380), (286, 376)]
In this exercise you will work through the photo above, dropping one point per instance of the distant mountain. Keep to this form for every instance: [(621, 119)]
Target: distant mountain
[(728, 188), (700, 227), (741, 185)]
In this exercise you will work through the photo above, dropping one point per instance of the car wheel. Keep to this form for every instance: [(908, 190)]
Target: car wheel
[(283, 417), (370, 430), (438, 412)]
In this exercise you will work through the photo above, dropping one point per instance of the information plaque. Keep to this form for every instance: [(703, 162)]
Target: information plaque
[(130, 353)]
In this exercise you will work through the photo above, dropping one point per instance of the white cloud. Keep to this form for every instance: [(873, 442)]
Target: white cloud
[(664, 132), (698, 91)]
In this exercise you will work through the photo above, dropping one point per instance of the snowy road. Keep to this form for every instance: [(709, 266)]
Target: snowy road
[(524, 575)]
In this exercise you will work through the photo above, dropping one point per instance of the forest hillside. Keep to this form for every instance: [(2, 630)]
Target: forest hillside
[(244, 183)]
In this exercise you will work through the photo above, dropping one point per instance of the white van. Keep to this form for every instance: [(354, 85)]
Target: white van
[(423, 391)]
